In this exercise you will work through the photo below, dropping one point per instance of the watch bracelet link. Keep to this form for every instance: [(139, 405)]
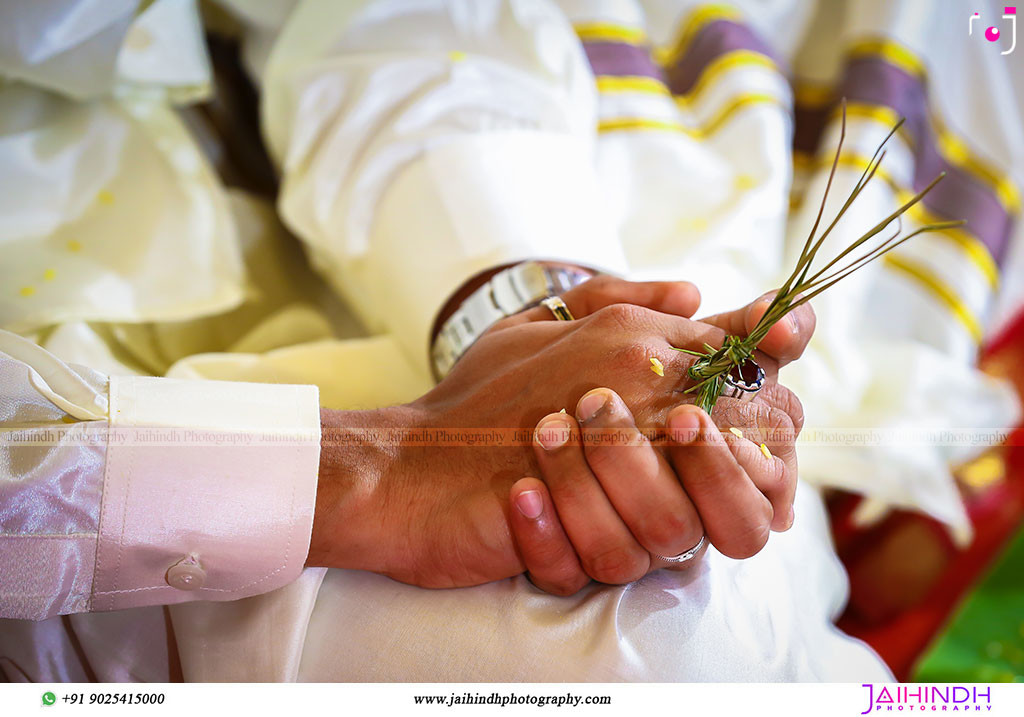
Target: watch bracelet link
[(508, 292)]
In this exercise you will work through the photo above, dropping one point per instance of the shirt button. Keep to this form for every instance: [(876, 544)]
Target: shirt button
[(186, 574)]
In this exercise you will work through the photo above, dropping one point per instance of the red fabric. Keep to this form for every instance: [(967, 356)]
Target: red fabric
[(908, 557)]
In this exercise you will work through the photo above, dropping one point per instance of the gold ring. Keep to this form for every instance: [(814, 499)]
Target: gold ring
[(556, 306)]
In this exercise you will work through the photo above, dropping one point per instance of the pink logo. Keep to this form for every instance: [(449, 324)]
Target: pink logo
[(992, 34), (930, 698)]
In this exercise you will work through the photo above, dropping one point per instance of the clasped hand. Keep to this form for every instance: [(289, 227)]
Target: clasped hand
[(630, 472)]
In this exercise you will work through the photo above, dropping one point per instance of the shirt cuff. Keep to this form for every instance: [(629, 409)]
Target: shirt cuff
[(208, 491)]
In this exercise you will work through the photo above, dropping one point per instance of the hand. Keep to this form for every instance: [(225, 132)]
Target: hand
[(610, 497), (617, 496), (436, 516)]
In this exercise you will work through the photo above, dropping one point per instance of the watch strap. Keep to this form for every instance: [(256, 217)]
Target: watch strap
[(506, 293)]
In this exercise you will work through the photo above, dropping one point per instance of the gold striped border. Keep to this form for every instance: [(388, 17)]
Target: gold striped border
[(707, 129), (722, 64), (615, 84), (610, 32), (878, 113), (640, 123), (694, 22), (737, 103), (939, 290), (953, 148), (975, 249), (972, 247), (891, 51), (956, 151)]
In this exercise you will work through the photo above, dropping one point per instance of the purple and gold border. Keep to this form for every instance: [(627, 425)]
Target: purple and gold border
[(711, 42)]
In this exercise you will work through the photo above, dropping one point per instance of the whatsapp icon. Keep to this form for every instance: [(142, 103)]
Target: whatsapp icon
[(49, 698)]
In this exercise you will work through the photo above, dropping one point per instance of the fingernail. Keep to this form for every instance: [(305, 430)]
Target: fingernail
[(530, 504), (684, 424), (590, 404), (758, 309), (552, 434), (794, 323)]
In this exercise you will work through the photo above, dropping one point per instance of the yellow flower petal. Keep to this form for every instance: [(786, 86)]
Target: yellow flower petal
[(50, 274), (736, 432), (75, 246), (105, 196), (766, 452), (657, 367), (27, 291)]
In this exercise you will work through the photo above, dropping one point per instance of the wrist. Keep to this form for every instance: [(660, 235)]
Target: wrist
[(356, 455), (491, 296), (477, 280)]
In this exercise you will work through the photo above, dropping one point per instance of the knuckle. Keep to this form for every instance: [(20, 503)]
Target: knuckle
[(620, 316), (728, 413), (633, 354), (601, 283), (668, 531), (776, 478), (782, 398), (616, 565), (779, 425)]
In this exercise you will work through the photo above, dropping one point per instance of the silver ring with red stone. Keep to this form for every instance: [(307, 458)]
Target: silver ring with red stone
[(744, 381), (687, 555)]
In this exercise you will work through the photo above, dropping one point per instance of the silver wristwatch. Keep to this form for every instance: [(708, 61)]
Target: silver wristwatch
[(508, 292)]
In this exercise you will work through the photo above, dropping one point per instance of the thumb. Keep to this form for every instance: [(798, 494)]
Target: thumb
[(786, 340)]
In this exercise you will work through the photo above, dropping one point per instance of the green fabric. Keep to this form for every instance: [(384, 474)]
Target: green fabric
[(985, 641)]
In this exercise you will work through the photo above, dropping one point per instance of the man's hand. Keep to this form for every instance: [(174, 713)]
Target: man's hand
[(438, 515), (610, 502)]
